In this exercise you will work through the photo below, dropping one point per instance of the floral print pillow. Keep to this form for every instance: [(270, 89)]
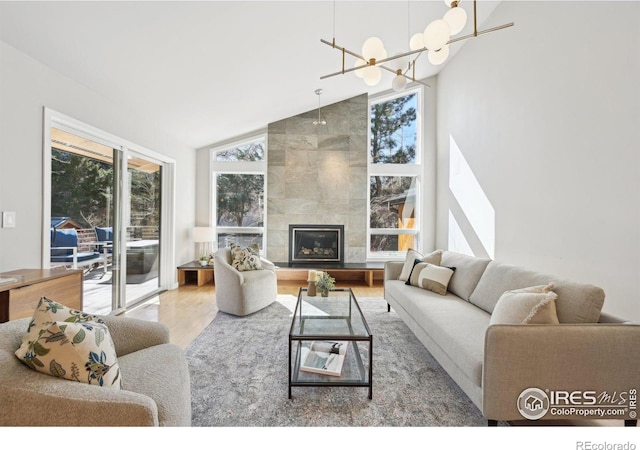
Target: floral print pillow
[(70, 344), (245, 258)]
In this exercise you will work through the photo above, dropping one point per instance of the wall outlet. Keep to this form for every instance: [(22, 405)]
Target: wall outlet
[(8, 219)]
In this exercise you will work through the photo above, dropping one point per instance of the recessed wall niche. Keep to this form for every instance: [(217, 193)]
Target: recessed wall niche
[(317, 174)]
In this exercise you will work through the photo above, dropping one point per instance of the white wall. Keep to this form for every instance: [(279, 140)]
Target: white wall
[(547, 117), (26, 86)]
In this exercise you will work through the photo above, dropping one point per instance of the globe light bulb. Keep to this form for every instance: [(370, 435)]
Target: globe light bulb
[(456, 18), (437, 34), (373, 48), (372, 75), (360, 72), (437, 57), (399, 82), (417, 41)]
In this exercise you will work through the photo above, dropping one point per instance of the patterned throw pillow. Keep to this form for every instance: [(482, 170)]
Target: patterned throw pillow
[(70, 344), (431, 277), (245, 258)]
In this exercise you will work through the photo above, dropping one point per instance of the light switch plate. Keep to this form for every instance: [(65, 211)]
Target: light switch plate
[(8, 219)]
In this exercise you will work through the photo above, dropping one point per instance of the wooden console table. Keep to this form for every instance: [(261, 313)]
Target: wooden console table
[(19, 299), (203, 274), (362, 272)]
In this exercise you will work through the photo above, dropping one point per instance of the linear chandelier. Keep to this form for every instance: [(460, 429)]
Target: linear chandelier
[(435, 40)]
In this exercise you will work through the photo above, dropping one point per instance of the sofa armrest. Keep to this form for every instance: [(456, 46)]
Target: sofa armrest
[(56, 402), (130, 335), (393, 269), (602, 358)]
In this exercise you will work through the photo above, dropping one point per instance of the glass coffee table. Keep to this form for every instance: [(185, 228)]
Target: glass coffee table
[(320, 322)]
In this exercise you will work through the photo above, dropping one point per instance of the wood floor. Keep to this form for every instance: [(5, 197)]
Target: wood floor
[(189, 309)]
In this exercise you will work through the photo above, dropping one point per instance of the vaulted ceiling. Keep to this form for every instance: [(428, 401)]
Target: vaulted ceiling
[(209, 71)]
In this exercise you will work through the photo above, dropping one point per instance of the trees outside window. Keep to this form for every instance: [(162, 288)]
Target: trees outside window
[(239, 173), (394, 175)]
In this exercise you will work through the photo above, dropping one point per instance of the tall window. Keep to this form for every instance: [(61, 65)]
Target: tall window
[(394, 175), (239, 192)]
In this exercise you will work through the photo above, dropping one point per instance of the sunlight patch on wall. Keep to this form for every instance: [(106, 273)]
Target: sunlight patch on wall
[(475, 205), (457, 242)]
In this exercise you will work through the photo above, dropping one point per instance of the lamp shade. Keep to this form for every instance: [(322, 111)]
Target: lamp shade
[(204, 234), (359, 72), (417, 41), (373, 48), (437, 34), (372, 75), (437, 57), (456, 18), (399, 82)]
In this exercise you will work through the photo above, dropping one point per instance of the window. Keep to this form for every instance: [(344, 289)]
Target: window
[(394, 175), (239, 192)]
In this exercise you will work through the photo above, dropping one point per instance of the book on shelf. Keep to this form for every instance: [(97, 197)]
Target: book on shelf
[(324, 357)]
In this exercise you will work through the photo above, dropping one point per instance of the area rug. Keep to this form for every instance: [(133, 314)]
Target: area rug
[(239, 377)]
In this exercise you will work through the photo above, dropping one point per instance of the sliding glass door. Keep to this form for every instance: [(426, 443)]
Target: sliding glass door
[(106, 216)]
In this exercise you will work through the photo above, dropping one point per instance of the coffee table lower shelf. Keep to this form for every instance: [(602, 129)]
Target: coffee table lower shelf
[(354, 374)]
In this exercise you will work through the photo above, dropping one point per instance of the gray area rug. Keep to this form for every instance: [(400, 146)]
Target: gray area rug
[(239, 377)]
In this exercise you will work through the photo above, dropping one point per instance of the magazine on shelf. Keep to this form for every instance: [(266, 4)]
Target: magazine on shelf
[(324, 357)]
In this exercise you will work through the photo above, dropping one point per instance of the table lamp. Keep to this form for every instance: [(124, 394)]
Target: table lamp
[(205, 238)]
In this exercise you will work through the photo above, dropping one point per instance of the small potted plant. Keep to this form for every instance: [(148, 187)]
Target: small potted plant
[(204, 260), (325, 283)]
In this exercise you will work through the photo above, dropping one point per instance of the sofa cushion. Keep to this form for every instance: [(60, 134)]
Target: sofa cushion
[(455, 325), (412, 255), (168, 383), (576, 302), (104, 233), (469, 269), (431, 277), (245, 258), (63, 237), (536, 304)]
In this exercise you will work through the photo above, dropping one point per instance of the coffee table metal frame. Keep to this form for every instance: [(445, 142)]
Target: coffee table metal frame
[(296, 340)]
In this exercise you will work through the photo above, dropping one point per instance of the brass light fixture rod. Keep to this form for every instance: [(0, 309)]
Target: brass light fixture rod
[(379, 63)]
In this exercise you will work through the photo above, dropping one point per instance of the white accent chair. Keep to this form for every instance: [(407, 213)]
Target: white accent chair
[(243, 293)]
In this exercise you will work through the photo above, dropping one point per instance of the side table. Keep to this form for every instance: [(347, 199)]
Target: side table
[(193, 269)]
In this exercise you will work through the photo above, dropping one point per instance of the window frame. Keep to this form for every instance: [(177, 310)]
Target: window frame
[(413, 170), (239, 168)]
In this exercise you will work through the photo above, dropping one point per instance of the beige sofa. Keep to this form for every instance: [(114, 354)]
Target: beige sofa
[(497, 366), (156, 390)]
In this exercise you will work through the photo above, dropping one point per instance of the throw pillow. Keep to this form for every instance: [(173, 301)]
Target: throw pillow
[(412, 255), (432, 277), (245, 258), (69, 344), (536, 304), (47, 311)]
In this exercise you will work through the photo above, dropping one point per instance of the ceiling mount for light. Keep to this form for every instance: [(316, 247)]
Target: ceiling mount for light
[(435, 40), (319, 121)]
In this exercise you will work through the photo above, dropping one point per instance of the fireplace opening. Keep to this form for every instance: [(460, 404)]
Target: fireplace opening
[(316, 243)]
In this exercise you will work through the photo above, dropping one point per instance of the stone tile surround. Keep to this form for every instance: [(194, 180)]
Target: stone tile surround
[(317, 174)]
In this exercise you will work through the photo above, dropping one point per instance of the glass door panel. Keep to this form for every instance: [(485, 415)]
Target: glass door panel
[(144, 228), (84, 225)]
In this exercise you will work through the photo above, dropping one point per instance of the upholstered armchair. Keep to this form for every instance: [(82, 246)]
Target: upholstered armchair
[(156, 389), (242, 293)]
